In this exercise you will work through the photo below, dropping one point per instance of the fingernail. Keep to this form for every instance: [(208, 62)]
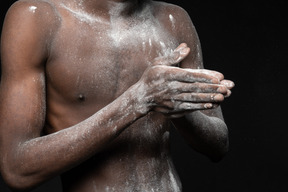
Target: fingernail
[(218, 97), (231, 84), (215, 80), (184, 51), (222, 89), (176, 55), (208, 105), (228, 93)]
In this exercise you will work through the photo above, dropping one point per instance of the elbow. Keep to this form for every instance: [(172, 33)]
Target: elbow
[(217, 156), (217, 140), (216, 159), (17, 182), (220, 150)]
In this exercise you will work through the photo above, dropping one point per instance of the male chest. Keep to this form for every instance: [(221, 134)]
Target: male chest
[(101, 60)]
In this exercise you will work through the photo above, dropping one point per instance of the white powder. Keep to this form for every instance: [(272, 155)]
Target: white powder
[(123, 35), (174, 184), (165, 50), (83, 16), (109, 189), (150, 42), (172, 19), (166, 136), (143, 28), (32, 9)]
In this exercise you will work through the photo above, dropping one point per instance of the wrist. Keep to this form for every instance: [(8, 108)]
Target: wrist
[(138, 99)]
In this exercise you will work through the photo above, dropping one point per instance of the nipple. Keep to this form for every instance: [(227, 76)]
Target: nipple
[(81, 98)]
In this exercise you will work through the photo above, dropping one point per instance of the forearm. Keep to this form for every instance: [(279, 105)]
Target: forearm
[(35, 160), (206, 134)]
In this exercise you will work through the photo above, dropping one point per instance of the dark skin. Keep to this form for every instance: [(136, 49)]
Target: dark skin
[(90, 90)]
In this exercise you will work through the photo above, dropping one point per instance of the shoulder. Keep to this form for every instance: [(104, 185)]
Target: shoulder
[(174, 16), (32, 13), (37, 7), (33, 6), (29, 22), (177, 20), (164, 8), (28, 29)]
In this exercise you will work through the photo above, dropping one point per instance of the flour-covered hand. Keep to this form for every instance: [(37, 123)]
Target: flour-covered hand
[(169, 89)]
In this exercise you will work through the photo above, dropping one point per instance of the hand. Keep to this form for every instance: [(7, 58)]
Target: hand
[(229, 85), (168, 89)]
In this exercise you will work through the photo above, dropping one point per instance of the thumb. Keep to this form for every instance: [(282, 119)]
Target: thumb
[(175, 57)]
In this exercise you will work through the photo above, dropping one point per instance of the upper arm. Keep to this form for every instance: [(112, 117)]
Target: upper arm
[(186, 33), (24, 51)]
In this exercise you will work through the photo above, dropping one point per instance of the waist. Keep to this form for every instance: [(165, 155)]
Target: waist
[(125, 172)]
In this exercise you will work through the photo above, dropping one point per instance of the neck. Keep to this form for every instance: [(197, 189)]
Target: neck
[(110, 7)]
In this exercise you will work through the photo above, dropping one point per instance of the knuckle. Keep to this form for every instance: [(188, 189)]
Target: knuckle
[(174, 58), (157, 61), (174, 86), (155, 70), (218, 97), (222, 89), (197, 87)]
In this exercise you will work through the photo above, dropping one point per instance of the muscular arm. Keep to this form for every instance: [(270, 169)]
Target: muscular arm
[(205, 130), (28, 159)]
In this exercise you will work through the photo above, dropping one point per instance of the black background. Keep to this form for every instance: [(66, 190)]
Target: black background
[(247, 41)]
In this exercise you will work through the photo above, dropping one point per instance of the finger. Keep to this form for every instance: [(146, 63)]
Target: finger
[(180, 87), (228, 94), (199, 97), (174, 115), (181, 46), (222, 89), (227, 83), (184, 107), (216, 74), (194, 106), (189, 76), (180, 53), (173, 58)]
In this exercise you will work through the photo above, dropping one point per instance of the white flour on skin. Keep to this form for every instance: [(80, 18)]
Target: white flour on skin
[(126, 37), (165, 50), (140, 30), (173, 182), (150, 42), (147, 32), (214, 74), (166, 136), (83, 16), (110, 189), (32, 9), (172, 19)]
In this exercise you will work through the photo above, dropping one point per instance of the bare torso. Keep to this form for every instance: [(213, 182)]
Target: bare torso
[(103, 80), (93, 60)]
